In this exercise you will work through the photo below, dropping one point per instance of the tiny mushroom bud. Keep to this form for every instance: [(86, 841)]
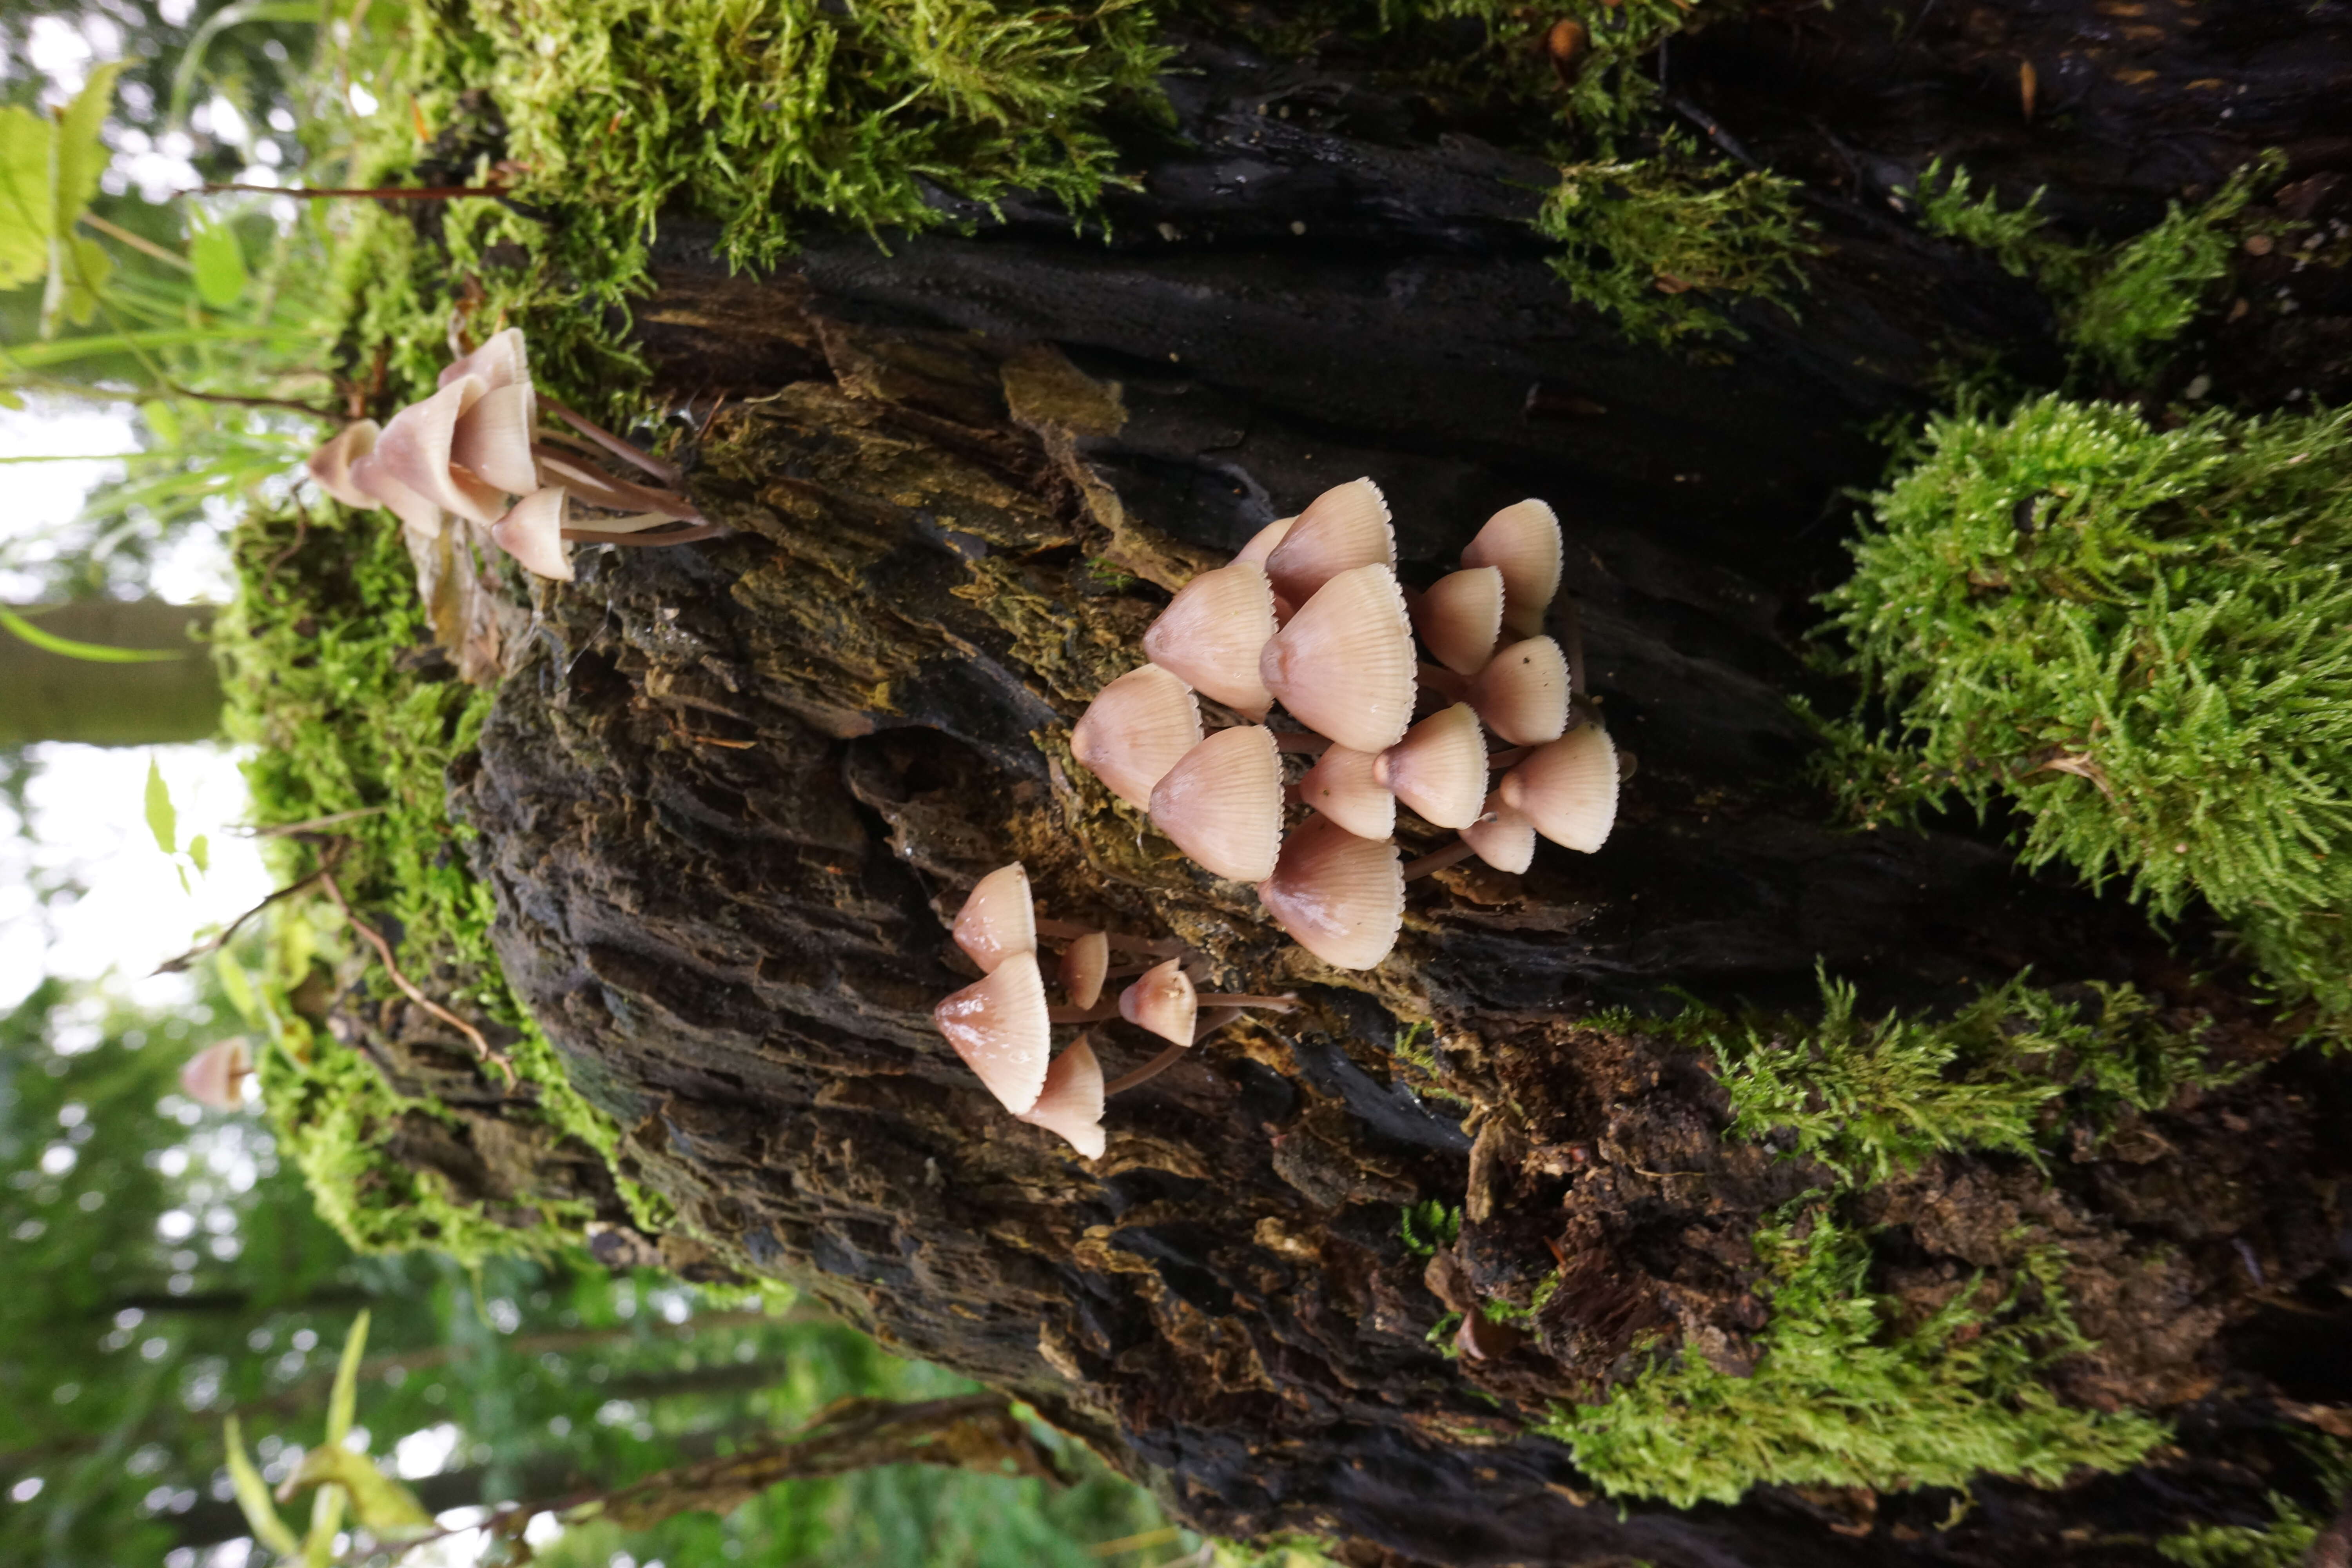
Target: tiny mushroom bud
[(999, 1026), (1086, 963), (1211, 633), (1439, 769), (1345, 527), (1221, 802), (1135, 729), (1569, 788), (1164, 1001), (1345, 666), (1342, 897), (998, 918), (1522, 541), (492, 440), (1070, 1107), (1461, 618), (1522, 694), (1263, 541), (216, 1075), (331, 465), (414, 450), (1501, 836), (532, 532), (1341, 786)]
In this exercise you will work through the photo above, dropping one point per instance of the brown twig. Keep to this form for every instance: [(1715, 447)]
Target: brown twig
[(312, 824), (372, 193), (214, 944), (408, 987), (292, 406)]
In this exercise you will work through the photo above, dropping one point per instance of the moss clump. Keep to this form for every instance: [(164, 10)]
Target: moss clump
[(2285, 1542), (1864, 1098), (2141, 640), (2118, 304), (1839, 1398)]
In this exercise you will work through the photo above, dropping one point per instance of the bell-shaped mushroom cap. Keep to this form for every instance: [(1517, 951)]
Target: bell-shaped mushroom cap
[(1439, 769), (998, 918), (331, 465), (1523, 692), (1263, 541), (1522, 541), (499, 361), (1345, 666), (1501, 836), (1569, 789), (532, 532), (1135, 728), (1085, 964), (1460, 617), (1211, 633), (1342, 897), (1221, 802), (1164, 1001), (216, 1075), (999, 1027), (414, 450), (1071, 1105), (1341, 786), (370, 478), (1344, 528), (493, 438)]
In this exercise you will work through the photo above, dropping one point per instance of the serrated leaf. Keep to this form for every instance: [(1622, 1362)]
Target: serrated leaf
[(163, 821), (81, 155), (79, 270), (24, 205), (253, 1496), (200, 851), (219, 261)]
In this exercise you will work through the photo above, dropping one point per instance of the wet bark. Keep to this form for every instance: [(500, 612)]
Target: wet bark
[(732, 795)]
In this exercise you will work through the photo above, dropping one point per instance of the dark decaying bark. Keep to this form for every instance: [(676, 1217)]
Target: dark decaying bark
[(733, 791)]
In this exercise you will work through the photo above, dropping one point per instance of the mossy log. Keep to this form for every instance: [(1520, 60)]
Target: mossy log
[(731, 794)]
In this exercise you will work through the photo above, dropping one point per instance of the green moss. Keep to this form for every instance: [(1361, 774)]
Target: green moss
[(2285, 1541), (1842, 1396), (2118, 304), (1426, 1227), (2139, 638)]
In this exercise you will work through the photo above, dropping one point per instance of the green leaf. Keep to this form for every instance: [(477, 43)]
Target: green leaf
[(235, 985), (385, 1507), (344, 1401), (163, 421), (200, 851), (25, 142), (11, 401), (161, 820), (82, 269), (219, 262), (78, 265), (253, 1496), (93, 653)]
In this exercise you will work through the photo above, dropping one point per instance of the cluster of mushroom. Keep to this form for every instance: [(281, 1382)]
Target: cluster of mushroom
[(474, 450), (1000, 1024), (1310, 615)]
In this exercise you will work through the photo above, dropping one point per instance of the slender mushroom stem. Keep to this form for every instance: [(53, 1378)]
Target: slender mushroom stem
[(1108, 1007), (1508, 759), (1453, 854), (573, 472), (643, 541), (1300, 741), (1444, 681), (1070, 930), (1148, 1071), (626, 450)]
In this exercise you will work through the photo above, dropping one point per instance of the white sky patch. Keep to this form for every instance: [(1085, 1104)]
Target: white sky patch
[(426, 1453), (43, 498)]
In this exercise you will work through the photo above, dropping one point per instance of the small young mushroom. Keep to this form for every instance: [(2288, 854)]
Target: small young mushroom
[(1460, 617), (1341, 785), (1345, 666), (1221, 802), (999, 1025), (331, 465), (1345, 527), (1503, 837), (1070, 1106), (1164, 1001), (1211, 633), (1342, 897), (1568, 789), (1086, 965), (1439, 769), (998, 918), (493, 438), (1522, 694), (1522, 541), (1263, 541), (1135, 729), (532, 532), (216, 1075), (414, 450)]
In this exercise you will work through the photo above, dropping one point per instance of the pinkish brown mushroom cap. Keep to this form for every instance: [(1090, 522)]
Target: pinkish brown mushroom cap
[(1070, 1106), (502, 360), (1342, 897), (1135, 730), (1439, 769), (1522, 541), (492, 440), (1164, 1001), (1522, 694), (1569, 788), (331, 465), (216, 1075), (532, 532), (1221, 802), (1501, 836), (1211, 633), (1086, 963), (1345, 666), (1345, 527), (1001, 1029), (998, 918), (1460, 618), (1263, 541), (414, 450), (1341, 786)]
